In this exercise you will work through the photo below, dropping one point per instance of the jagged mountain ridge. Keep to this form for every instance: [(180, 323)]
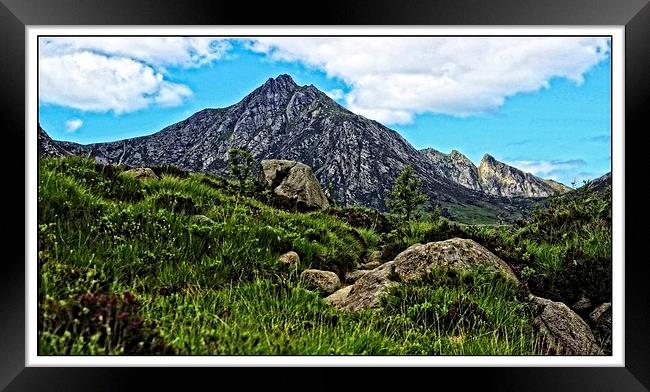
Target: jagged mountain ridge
[(354, 157), (491, 176)]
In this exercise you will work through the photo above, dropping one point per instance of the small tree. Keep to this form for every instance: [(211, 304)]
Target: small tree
[(406, 197), (240, 163)]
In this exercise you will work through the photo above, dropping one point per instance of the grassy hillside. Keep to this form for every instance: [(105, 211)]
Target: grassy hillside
[(186, 265)]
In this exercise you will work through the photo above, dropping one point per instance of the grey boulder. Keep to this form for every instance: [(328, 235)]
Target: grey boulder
[(456, 254), (293, 181)]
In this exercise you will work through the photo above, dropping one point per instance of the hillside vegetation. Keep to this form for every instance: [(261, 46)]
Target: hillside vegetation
[(189, 264)]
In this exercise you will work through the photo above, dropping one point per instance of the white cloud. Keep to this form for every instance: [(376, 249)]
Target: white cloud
[(94, 82), (155, 51), (119, 74), (73, 124), (393, 79), (554, 169)]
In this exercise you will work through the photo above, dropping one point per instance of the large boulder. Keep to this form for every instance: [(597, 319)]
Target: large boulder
[(563, 331), (293, 181), (455, 254), (414, 263), (324, 282)]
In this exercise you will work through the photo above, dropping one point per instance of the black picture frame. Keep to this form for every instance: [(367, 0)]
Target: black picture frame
[(16, 14)]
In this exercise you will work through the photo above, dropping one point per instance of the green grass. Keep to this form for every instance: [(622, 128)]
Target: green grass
[(185, 265)]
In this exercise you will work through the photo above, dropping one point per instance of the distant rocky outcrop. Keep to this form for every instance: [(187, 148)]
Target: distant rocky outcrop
[(491, 176), (415, 263), (497, 178), (454, 166), (293, 181), (563, 331)]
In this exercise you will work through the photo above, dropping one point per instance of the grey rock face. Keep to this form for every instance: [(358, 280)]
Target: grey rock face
[(454, 166), (497, 178), (456, 253), (564, 332), (293, 181), (325, 282), (491, 176)]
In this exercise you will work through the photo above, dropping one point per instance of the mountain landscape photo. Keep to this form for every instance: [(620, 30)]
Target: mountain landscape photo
[(190, 203)]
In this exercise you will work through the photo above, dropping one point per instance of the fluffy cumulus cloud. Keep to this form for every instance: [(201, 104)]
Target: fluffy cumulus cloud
[(393, 79), (554, 169), (119, 74), (73, 124)]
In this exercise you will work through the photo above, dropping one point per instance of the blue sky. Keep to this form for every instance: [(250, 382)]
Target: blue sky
[(540, 105)]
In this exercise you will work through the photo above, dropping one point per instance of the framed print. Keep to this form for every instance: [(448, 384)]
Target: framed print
[(404, 190)]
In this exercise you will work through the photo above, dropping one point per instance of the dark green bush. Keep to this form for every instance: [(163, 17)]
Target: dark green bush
[(98, 323), (362, 217)]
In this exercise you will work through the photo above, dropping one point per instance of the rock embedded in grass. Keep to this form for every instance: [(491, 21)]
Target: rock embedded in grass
[(367, 291), (142, 173), (563, 331), (290, 258), (324, 282)]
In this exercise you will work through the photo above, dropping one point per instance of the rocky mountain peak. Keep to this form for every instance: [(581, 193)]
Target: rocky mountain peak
[(279, 83), (488, 160), (458, 156)]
